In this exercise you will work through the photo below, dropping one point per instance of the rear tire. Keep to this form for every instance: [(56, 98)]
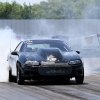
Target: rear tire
[(10, 76), (20, 80)]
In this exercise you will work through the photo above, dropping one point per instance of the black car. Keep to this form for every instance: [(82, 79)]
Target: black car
[(45, 59)]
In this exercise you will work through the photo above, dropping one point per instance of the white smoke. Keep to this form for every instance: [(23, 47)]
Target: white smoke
[(6, 41), (91, 11), (92, 65), (90, 51)]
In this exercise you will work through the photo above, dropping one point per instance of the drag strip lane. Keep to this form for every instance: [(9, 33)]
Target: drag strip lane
[(50, 90), (81, 92), (11, 91)]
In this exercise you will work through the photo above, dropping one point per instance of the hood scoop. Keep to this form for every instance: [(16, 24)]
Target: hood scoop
[(51, 54)]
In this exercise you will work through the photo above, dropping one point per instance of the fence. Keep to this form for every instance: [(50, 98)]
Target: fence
[(81, 34)]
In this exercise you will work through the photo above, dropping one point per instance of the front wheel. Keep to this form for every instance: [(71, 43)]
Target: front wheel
[(80, 78), (20, 80)]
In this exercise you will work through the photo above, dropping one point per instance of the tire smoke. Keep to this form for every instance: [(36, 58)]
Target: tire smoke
[(6, 42)]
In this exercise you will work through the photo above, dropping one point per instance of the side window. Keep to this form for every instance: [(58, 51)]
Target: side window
[(23, 47), (19, 46)]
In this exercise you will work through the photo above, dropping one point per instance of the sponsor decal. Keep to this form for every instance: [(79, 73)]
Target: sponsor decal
[(29, 42)]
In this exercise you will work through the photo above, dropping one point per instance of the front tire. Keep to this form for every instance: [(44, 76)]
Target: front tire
[(20, 80), (80, 78)]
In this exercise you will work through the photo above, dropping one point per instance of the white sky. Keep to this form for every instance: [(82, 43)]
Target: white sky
[(22, 1)]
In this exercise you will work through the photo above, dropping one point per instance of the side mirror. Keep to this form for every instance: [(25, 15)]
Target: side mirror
[(78, 52), (14, 53)]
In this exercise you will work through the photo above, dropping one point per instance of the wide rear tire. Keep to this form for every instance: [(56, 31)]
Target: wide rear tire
[(10, 76), (20, 80)]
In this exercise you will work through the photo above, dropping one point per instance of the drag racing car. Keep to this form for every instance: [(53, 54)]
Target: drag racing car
[(45, 59)]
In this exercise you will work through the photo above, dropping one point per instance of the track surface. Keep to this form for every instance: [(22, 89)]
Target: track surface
[(50, 90)]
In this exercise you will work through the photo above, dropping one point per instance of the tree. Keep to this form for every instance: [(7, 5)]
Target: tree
[(52, 9), (16, 12), (5, 10), (26, 11), (36, 11)]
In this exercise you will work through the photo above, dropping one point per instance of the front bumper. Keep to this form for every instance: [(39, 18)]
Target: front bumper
[(50, 72)]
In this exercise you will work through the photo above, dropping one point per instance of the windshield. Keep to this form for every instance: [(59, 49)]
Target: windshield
[(31, 46)]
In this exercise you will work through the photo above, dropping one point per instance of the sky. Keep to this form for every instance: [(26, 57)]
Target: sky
[(26, 1)]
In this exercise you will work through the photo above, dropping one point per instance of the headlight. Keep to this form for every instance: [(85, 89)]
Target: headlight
[(74, 62), (32, 63)]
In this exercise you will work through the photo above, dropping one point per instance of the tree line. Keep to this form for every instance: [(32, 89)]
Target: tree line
[(52, 9)]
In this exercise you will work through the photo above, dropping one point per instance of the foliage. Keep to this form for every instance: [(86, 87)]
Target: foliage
[(52, 9)]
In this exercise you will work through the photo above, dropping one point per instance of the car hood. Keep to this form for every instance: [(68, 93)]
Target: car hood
[(53, 54)]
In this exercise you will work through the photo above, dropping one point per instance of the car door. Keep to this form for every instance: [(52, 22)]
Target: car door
[(14, 59)]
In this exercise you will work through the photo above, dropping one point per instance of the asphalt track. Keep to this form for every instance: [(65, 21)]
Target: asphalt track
[(52, 90)]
